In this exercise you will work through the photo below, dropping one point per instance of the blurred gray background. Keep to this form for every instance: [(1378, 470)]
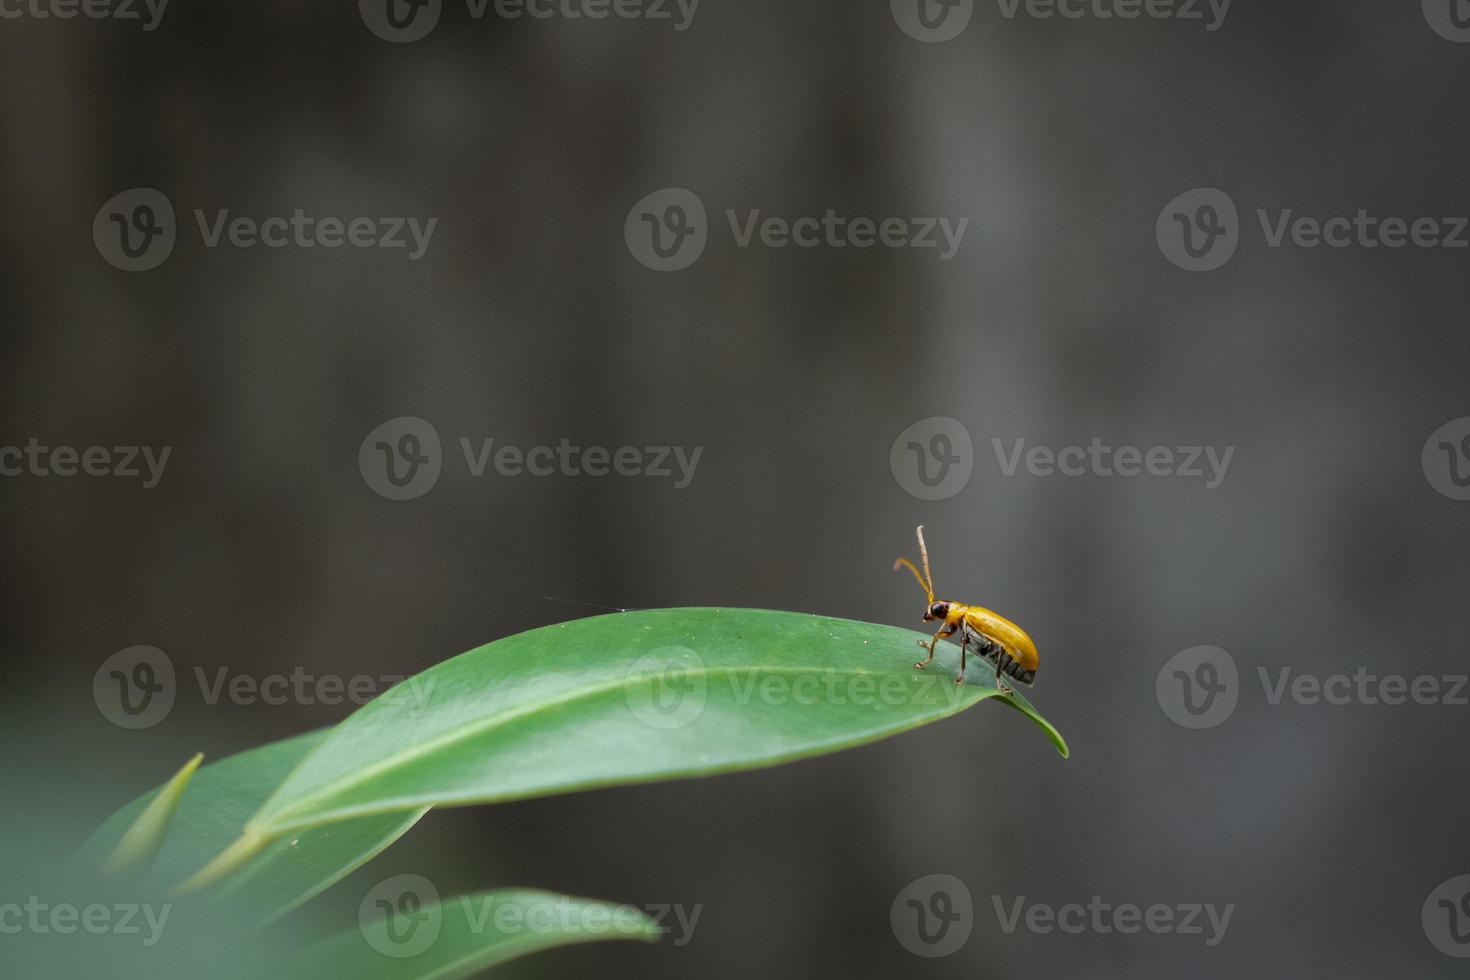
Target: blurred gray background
[(529, 320)]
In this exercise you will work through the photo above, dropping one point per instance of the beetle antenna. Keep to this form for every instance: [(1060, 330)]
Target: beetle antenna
[(924, 557), (905, 563), (926, 581)]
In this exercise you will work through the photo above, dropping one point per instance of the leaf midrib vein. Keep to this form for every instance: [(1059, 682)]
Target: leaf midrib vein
[(515, 714)]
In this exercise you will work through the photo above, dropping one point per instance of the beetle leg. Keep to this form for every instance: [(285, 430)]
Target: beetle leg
[(964, 647), (1001, 663), (943, 632)]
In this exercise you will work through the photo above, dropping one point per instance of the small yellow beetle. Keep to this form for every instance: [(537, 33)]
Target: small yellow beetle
[(998, 639)]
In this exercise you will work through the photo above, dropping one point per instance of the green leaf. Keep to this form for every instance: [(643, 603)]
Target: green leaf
[(624, 698), (141, 842), (461, 937), (221, 797)]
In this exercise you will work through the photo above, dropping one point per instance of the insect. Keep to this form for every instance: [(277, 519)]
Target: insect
[(996, 638)]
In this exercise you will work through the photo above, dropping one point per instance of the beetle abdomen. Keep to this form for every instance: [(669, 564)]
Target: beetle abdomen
[(991, 649), (1013, 669)]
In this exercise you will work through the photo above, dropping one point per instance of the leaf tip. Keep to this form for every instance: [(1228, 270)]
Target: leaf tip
[(141, 842)]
